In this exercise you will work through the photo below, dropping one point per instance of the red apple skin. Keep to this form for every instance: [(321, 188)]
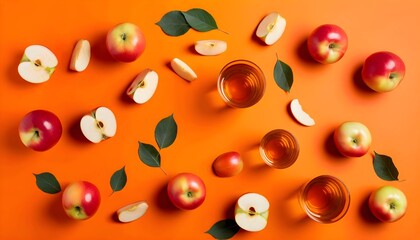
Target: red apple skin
[(228, 164), (352, 139), (383, 71), (327, 43), (388, 204), (125, 42), (81, 200), (186, 191), (40, 130)]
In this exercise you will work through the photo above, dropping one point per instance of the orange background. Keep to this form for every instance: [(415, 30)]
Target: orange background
[(331, 94)]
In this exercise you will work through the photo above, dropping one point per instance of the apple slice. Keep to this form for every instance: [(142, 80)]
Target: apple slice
[(251, 212), (301, 116), (183, 70), (81, 56), (143, 86), (132, 212), (99, 125), (37, 64), (210, 47), (271, 28)]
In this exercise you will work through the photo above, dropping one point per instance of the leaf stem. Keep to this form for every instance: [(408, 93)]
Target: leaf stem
[(223, 31), (163, 171)]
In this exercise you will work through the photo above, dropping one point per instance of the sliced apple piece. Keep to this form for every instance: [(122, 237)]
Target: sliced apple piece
[(132, 211), (271, 28), (210, 47), (143, 86), (37, 64), (251, 212), (183, 70), (81, 56), (301, 116), (99, 125)]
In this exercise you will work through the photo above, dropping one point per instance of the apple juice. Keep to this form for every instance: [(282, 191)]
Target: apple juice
[(279, 148), (325, 199), (241, 83)]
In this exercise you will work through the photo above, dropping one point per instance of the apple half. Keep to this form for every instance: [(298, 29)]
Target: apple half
[(183, 70), (37, 64), (210, 47), (99, 125), (80, 57), (132, 211), (251, 212), (271, 28), (144, 86), (299, 114)]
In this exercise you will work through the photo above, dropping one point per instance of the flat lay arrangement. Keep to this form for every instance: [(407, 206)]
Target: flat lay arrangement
[(209, 120)]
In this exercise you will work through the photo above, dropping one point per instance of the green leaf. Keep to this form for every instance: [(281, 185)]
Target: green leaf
[(200, 20), (118, 180), (149, 155), (173, 23), (224, 229), (166, 131), (283, 75), (385, 168), (47, 183)]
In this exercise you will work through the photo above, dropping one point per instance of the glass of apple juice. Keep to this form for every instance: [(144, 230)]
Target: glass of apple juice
[(279, 148), (325, 199), (241, 83)]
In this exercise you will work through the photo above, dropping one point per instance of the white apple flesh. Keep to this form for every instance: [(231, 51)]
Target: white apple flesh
[(144, 86), (37, 64), (81, 56), (299, 114), (183, 70), (210, 47), (100, 125), (271, 28), (132, 212), (251, 212)]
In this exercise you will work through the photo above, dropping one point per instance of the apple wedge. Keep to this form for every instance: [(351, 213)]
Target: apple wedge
[(251, 212), (271, 28), (143, 86), (132, 211), (81, 56), (301, 116), (183, 70), (210, 47), (99, 125), (37, 64)]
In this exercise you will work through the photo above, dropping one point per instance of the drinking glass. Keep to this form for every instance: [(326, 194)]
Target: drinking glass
[(241, 83)]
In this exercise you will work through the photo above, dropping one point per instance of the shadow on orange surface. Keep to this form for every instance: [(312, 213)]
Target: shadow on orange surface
[(366, 214)]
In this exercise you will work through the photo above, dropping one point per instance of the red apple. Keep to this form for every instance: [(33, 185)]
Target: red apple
[(186, 191), (228, 164), (352, 139), (125, 42), (40, 130), (383, 71), (327, 43), (388, 203), (81, 200)]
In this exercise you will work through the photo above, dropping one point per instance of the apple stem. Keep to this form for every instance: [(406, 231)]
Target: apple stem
[(123, 36), (392, 205)]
